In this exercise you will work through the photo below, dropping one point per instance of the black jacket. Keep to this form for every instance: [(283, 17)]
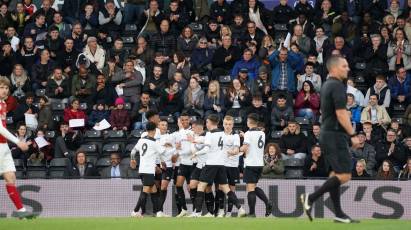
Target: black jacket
[(221, 53), (292, 141), (52, 86), (21, 110), (320, 171), (223, 11), (397, 158), (72, 171), (282, 14), (163, 42)]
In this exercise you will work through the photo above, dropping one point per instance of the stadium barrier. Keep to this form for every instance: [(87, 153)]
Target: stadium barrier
[(117, 197)]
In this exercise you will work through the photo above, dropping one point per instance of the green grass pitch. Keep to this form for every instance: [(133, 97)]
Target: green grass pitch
[(195, 224)]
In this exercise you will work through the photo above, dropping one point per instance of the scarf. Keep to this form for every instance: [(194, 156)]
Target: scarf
[(18, 80)]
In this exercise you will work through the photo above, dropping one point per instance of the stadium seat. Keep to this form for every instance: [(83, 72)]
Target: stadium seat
[(276, 135), (400, 120), (20, 168), (280, 27), (93, 135), (9, 120), (360, 66), (294, 174), (399, 107), (111, 148), (125, 161), (92, 159), (134, 136), (103, 163), (50, 134), (128, 40), (302, 120), (238, 120), (169, 119), (40, 92), (115, 134), (83, 106), (226, 79), (57, 118), (294, 162), (36, 170), (130, 28), (57, 167), (57, 106), (127, 106), (128, 149), (91, 149)]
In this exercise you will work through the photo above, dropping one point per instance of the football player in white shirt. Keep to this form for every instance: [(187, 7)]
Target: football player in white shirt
[(232, 161), (253, 148), (166, 140), (183, 146), (198, 144), (214, 171), (7, 167), (149, 150)]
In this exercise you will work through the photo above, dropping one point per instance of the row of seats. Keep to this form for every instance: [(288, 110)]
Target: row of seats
[(55, 169)]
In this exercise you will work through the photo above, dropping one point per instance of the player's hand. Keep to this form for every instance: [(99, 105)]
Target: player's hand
[(355, 142), (163, 165), (193, 157), (133, 164), (158, 170), (23, 145), (174, 158)]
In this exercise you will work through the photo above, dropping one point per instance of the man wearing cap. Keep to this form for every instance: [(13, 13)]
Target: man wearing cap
[(365, 151), (262, 85)]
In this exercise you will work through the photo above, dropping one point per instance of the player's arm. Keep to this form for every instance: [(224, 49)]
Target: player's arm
[(206, 148), (246, 143), (344, 119), (9, 136)]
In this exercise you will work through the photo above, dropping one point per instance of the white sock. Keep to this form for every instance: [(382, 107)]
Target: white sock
[(23, 209)]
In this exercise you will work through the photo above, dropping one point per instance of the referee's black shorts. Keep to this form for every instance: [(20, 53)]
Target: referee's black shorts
[(335, 149), (213, 174)]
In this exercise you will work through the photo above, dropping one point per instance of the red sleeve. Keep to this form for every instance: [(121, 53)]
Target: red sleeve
[(11, 103), (67, 115), (315, 101)]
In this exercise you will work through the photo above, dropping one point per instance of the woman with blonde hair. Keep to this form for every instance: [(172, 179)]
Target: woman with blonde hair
[(359, 172), (20, 82), (214, 100), (267, 47), (273, 162)]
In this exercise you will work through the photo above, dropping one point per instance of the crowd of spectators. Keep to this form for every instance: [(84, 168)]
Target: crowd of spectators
[(96, 60)]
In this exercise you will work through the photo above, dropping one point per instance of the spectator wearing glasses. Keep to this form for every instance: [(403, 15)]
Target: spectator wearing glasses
[(253, 35), (116, 170), (202, 58)]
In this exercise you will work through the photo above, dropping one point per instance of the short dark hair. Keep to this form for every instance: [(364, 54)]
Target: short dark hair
[(381, 77), (333, 60), (213, 118), (151, 126), (199, 122), (253, 117), (309, 64), (184, 114), (151, 113), (281, 96)]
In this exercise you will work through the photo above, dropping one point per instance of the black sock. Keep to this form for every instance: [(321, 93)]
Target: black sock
[(193, 193), (181, 198), (251, 196), (221, 197), (233, 198), (163, 197), (141, 201), (335, 198), (177, 203), (331, 183), (199, 201), (261, 195), (230, 205), (155, 201), (209, 200)]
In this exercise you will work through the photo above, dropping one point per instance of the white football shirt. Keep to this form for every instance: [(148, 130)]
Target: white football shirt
[(255, 139), (149, 150), (215, 141), (231, 141)]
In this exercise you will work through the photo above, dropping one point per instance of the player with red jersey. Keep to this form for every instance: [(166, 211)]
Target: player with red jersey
[(7, 168)]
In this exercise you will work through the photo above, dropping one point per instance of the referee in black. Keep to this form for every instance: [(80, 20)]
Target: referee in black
[(336, 130)]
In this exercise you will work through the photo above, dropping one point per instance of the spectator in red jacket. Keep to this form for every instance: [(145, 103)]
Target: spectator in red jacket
[(119, 118), (307, 102), (74, 112)]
